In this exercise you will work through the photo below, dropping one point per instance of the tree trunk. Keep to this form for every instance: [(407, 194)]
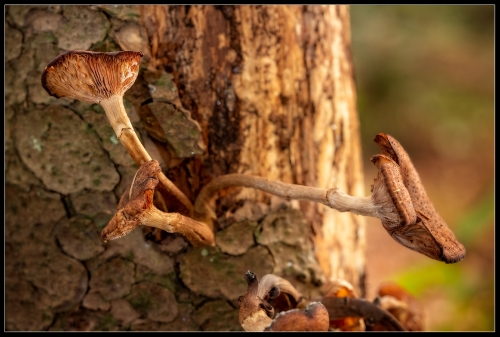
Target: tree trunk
[(261, 90)]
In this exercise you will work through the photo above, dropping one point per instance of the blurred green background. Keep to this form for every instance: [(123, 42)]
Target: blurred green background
[(425, 75)]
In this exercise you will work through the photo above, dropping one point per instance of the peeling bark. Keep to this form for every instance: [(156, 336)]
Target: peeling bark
[(272, 88)]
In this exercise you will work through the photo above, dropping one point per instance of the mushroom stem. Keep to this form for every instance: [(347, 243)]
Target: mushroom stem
[(118, 118), (356, 307), (197, 233), (333, 197)]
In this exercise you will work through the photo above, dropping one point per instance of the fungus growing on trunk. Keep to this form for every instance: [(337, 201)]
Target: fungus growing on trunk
[(136, 208), (398, 199), (103, 78), (256, 313), (313, 318), (428, 234)]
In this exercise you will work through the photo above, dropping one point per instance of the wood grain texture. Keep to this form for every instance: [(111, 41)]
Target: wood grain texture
[(272, 89)]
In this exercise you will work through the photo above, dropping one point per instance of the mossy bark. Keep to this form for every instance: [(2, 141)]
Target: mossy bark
[(264, 90)]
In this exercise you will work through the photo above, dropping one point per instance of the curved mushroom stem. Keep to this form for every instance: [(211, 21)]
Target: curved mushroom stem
[(118, 118), (357, 307), (197, 233), (136, 208), (333, 197)]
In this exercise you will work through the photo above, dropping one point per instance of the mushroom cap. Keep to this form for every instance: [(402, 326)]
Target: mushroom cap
[(137, 199), (91, 76), (314, 318), (430, 234)]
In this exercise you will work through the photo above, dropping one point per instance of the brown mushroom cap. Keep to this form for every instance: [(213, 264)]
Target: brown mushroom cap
[(137, 199), (313, 318), (91, 76), (430, 235), (255, 313)]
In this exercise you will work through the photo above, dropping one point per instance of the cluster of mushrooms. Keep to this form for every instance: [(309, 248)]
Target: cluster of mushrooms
[(398, 197), (339, 309)]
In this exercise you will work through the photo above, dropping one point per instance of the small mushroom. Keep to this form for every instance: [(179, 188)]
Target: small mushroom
[(103, 78), (136, 208), (313, 318), (256, 313), (398, 199)]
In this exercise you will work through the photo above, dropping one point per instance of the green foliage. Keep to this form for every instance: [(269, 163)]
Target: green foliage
[(425, 74)]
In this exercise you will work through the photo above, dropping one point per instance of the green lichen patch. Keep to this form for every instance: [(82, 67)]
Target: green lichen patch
[(42, 137)]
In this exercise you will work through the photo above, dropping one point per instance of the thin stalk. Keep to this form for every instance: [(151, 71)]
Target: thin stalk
[(333, 197), (118, 118), (197, 233)]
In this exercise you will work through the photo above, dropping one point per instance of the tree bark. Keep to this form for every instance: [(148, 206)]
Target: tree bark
[(261, 90)]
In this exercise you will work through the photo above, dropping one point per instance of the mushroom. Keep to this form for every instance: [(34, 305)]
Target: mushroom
[(313, 318), (103, 78), (398, 199), (136, 208), (256, 313), (429, 234)]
